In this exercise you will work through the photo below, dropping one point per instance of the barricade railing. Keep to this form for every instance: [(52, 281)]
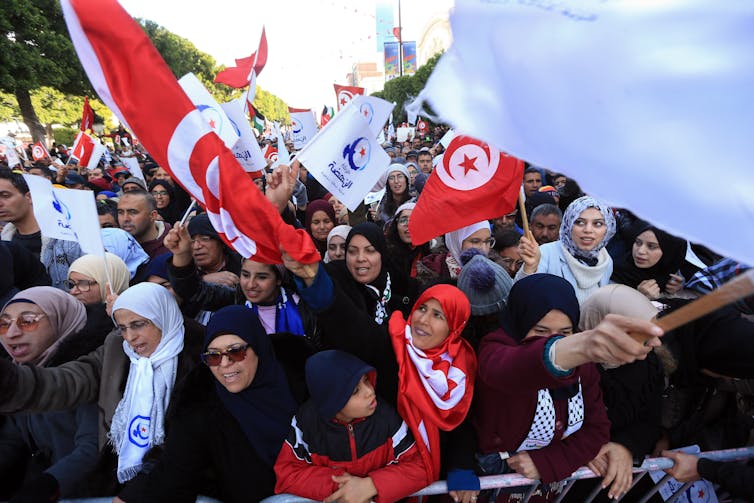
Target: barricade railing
[(528, 486)]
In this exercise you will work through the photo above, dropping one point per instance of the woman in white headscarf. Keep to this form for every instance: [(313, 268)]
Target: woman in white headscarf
[(448, 265)]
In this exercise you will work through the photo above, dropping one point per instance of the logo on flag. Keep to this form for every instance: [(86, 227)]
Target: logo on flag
[(295, 126), (344, 97), (358, 153), (367, 111), (213, 118), (468, 163), (38, 151)]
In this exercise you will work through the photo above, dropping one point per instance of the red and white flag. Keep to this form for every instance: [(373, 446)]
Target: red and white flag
[(87, 116), (421, 126), (39, 151), (270, 153), (246, 68), (142, 91), (88, 150), (344, 94), (474, 182)]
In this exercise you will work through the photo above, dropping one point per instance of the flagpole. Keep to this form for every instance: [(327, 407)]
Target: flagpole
[(188, 211), (253, 66), (524, 218)]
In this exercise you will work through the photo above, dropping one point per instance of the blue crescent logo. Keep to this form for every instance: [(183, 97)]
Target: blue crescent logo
[(367, 110), (213, 117), (295, 126), (138, 431), (357, 154), (60, 207)]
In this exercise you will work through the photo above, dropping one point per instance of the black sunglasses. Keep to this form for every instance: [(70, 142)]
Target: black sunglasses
[(234, 354)]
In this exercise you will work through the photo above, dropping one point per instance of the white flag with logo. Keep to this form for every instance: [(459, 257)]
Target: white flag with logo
[(345, 157), (66, 214), (10, 151), (652, 101), (375, 110), (209, 108), (303, 128), (247, 150), (132, 164)]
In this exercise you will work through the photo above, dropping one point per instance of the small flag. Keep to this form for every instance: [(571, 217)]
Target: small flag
[(327, 114), (247, 151), (240, 76), (303, 126), (39, 151), (87, 116), (88, 150)]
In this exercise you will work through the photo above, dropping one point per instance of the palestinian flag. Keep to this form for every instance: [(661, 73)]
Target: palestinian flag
[(257, 120), (327, 113)]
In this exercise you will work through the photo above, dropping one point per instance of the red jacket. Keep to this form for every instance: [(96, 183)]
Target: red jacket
[(510, 375), (379, 446)]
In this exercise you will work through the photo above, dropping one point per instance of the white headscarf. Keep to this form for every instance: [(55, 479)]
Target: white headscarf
[(453, 240), (338, 230), (139, 420)]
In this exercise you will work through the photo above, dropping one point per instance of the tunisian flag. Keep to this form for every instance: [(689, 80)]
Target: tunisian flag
[(87, 116), (473, 182), (142, 91), (39, 151), (240, 75), (344, 94)]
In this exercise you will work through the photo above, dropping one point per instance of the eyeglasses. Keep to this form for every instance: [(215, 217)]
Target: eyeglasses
[(479, 242), (136, 326), (396, 178), (403, 221), (26, 322), (510, 262), (234, 354), (201, 239), (159, 193), (84, 285)]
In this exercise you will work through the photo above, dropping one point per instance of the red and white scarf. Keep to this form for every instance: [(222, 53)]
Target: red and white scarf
[(435, 386)]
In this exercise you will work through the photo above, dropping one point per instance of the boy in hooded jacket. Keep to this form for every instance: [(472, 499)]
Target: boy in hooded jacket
[(344, 443)]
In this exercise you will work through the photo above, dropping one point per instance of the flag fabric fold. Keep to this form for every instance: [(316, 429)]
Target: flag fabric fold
[(142, 91), (240, 76), (87, 116), (642, 115), (473, 182)]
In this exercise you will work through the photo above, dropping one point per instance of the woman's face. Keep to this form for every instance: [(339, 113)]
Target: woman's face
[(235, 376), (363, 260), (140, 333), (398, 183), (403, 232), (429, 327), (589, 229), (481, 240), (339, 208), (646, 250), (36, 335), (321, 225), (554, 322), (161, 197), (412, 172), (84, 288), (259, 282), (161, 174), (336, 250)]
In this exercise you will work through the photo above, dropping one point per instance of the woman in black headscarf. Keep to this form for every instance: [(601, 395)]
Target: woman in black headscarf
[(164, 197), (233, 418), (653, 264)]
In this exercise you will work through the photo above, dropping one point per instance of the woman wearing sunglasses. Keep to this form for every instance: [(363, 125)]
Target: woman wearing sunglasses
[(232, 420), (48, 452)]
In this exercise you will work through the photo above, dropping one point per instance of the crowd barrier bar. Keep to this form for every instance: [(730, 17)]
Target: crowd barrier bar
[(514, 480)]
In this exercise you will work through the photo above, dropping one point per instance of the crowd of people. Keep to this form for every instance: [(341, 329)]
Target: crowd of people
[(173, 367)]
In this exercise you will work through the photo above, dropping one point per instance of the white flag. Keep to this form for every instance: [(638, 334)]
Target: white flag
[(247, 150), (66, 214), (645, 104), (210, 109), (345, 157), (283, 156), (303, 128), (132, 164), (375, 110)]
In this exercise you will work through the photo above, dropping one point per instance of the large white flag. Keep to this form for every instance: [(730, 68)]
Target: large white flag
[(345, 157), (649, 105), (247, 150), (66, 214), (303, 128), (209, 108)]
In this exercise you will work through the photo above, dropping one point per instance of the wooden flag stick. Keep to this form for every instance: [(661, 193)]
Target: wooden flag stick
[(733, 290), (524, 218)]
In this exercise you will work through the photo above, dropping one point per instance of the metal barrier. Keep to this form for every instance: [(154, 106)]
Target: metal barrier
[(528, 486)]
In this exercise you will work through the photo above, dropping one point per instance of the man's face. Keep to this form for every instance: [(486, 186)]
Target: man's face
[(545, 228), (14, 206), (107, 221), (506, 221), (95, 173), (425, 163), (134, 216), (532, 183)]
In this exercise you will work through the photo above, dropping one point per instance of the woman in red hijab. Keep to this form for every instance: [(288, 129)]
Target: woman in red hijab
[(437, 368)]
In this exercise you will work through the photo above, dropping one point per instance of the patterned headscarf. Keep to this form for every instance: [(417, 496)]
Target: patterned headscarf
[(573, 212)]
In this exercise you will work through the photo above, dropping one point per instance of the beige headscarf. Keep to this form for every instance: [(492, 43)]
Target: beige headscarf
[(66, 314), (93, 266), (615, 299)]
